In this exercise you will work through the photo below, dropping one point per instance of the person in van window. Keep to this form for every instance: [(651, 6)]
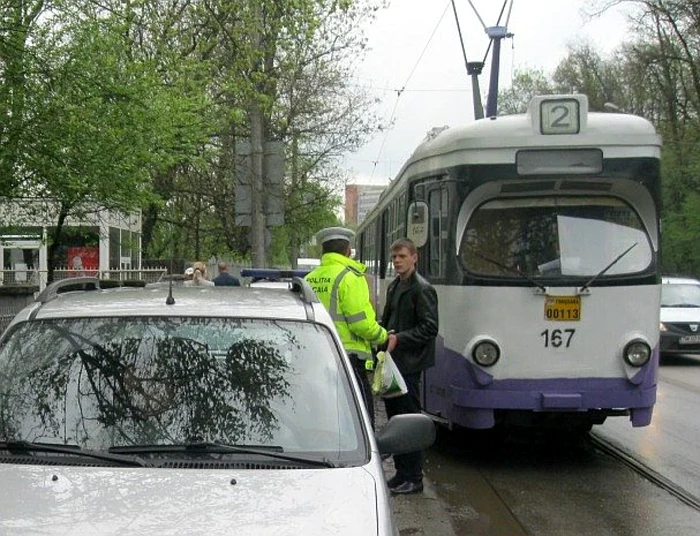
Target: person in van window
[(199, 276), (225, 279)]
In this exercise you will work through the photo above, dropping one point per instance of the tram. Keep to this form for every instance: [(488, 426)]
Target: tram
[(540, 234)]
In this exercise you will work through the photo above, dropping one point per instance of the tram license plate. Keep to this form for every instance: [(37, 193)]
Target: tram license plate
[(562, 308)]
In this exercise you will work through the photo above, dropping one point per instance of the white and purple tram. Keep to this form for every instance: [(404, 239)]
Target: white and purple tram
[(540, 233)]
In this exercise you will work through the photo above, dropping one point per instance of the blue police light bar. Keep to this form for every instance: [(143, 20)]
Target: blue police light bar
[(272, 273)]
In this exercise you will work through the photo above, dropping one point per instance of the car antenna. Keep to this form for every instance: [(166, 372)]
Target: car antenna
[(170, 300)]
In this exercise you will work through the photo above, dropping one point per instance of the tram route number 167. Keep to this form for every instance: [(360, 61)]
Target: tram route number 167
[(557, 337)]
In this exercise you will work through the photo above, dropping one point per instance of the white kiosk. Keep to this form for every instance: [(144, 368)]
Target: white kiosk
[(25, 225)]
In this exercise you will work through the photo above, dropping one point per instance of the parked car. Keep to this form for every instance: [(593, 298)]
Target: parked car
[(168, 409), (272, 277), (680, 315)]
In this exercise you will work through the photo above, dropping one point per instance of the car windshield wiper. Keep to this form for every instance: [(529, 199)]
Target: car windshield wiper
[(513, 270), (220, 448), (613, 263), (23, 447)]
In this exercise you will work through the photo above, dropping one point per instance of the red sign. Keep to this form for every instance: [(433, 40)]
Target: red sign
[(83, 261)]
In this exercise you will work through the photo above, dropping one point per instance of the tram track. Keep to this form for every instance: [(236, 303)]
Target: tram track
[(645, 471)]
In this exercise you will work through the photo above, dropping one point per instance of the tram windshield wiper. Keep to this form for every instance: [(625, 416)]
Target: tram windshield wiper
[(20, 446), (221, 448), (613, 263), (512, 270)]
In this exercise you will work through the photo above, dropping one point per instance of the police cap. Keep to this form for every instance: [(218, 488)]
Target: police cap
[(334, 233)]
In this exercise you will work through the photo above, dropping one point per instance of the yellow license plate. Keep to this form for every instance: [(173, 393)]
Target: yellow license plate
[(562, 308)]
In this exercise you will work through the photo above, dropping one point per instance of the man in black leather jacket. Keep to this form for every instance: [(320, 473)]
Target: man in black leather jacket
[(411, 312)]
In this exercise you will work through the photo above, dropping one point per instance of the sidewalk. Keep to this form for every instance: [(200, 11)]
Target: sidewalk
[(419, 514)]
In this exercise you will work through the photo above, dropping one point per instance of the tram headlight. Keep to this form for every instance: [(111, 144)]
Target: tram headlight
[(637, 353), (486, 353)]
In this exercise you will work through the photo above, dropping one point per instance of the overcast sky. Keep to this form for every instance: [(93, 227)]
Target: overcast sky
[(414, 46)]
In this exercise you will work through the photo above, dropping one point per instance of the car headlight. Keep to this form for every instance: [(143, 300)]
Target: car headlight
[(637, 353), (662, 327), (486, 353)]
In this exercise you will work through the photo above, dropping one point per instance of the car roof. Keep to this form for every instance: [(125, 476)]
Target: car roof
[(297, 303), (679, 280)]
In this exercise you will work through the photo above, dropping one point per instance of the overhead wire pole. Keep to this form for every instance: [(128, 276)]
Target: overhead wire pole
[(473, 70), (496, 34)]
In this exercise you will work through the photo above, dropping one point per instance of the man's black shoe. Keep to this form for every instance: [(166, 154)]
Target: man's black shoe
[(394, 481), (406, 488)]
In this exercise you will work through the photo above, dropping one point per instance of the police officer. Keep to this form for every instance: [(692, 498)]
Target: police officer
[(340, 284)]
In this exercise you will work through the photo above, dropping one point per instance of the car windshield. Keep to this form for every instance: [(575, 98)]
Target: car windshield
[(113, 382), (555, 237), (680, 295)]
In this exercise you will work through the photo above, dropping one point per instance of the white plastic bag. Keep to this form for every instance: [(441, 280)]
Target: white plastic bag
[(388, 381)]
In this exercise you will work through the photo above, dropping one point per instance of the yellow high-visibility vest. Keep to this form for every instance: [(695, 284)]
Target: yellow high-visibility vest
[(340, 284)]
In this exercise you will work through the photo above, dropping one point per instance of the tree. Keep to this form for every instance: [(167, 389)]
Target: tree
[(98, 121), (526, 84), (297, 73), (17, 22)]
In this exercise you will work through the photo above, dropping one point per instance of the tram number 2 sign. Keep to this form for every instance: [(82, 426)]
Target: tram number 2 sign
[(560, 116)]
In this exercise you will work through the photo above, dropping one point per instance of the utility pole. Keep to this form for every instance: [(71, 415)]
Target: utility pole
[(257, 212), (257, 165)]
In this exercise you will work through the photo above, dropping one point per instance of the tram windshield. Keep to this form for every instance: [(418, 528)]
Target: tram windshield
[(555, 236)]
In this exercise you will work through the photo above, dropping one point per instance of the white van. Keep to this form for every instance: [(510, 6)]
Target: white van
[(304, 263), (188, 410)]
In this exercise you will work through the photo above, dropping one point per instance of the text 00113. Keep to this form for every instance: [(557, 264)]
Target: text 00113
[(562, 308)]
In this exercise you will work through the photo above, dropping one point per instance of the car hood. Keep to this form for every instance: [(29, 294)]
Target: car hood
[(680, 314), (86, 501)]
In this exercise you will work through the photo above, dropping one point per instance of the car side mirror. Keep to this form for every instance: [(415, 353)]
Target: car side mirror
[(405, 433)]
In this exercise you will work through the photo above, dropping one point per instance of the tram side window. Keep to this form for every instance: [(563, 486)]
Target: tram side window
[(437, 202), (401, 222), (390, 237), (369, 254)]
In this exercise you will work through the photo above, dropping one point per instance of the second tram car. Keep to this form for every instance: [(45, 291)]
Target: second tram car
[(540, 233)]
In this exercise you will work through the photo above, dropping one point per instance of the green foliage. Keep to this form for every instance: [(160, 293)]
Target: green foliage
[(526, 84), (139, 105), (681, 229)]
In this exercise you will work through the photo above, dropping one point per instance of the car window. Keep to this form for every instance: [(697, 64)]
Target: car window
[(104, 382), (680, 295)]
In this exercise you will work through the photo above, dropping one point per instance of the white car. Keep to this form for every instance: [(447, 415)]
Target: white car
[(188, 410), (680, 315)]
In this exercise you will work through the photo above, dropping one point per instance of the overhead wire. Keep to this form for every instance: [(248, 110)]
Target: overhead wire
[(461, 39), (399, 92)]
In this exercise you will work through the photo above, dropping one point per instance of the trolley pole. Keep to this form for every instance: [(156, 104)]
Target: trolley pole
[(474, 70), (496, 33)]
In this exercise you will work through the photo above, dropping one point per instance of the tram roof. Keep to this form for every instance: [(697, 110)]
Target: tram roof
[(516, 131), (496, 140)]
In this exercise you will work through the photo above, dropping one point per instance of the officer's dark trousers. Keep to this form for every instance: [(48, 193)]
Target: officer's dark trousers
[(408, 466), (358, 366)]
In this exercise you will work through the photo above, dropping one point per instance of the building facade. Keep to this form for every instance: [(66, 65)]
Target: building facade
[(101, 241), (359, 200)]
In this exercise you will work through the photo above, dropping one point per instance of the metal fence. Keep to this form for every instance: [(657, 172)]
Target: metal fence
[(21, 287), (39, 278)]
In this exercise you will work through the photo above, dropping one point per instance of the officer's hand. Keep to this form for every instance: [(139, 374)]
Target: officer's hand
[(391, 343)]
